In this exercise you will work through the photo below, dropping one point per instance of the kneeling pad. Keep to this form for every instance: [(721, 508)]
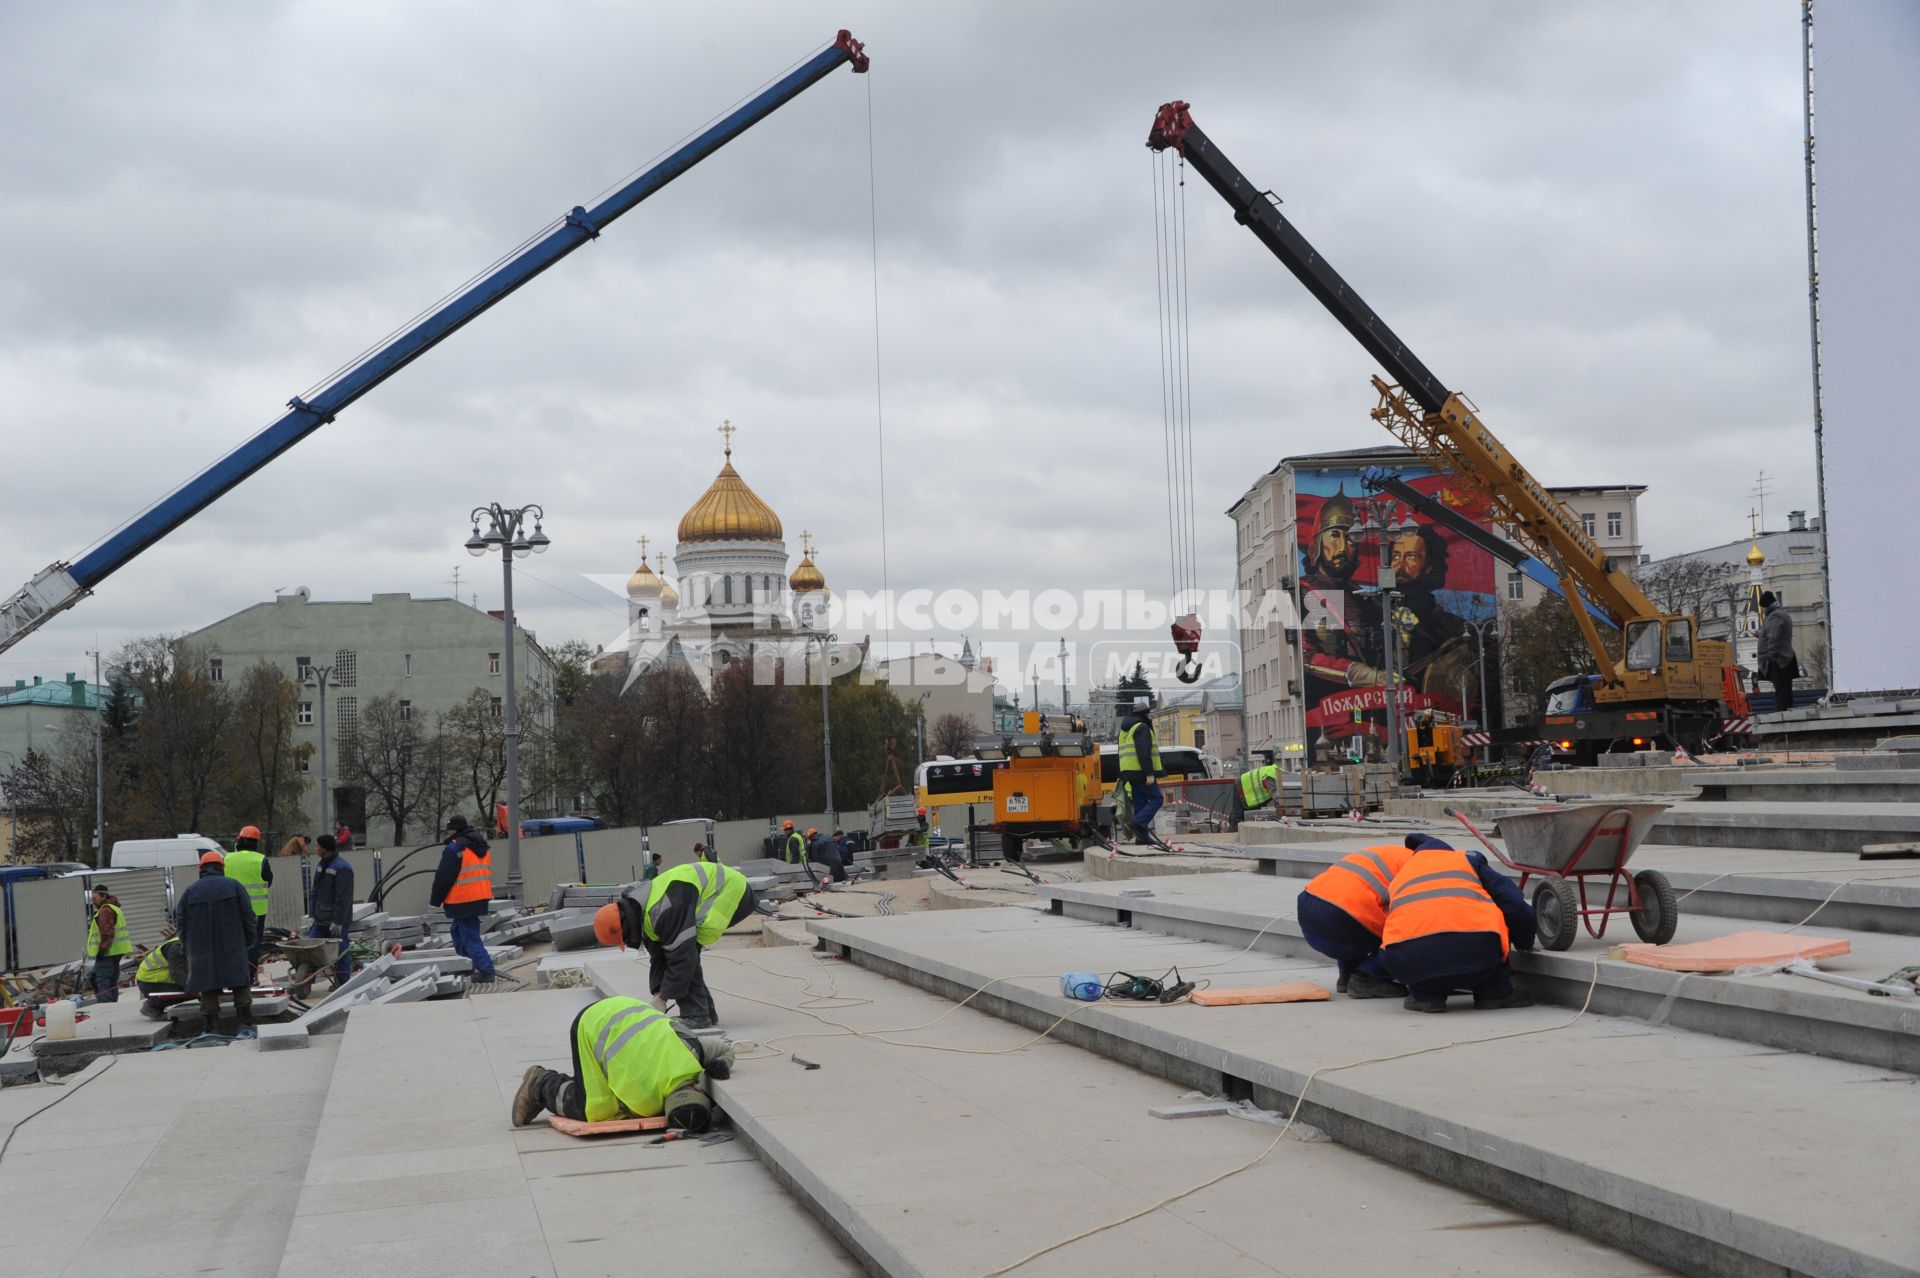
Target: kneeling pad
[(1291, 992), (613, 1127)]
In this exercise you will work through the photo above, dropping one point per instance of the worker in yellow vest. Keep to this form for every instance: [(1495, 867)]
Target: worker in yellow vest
[(673, 917), (1257, 788), (107, 943), (247, 866), (793, 844), (1140, 768), (629, 1061)]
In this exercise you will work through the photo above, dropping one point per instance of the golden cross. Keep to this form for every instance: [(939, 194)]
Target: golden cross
[(726, 432), (660, 558), (1753, 522), (806, 544), (643, 550)]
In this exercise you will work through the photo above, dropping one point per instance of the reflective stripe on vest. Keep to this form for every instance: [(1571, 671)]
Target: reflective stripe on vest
[(1130, 750), (630, 1059), (154, 967), (246, 868), (796, 847), (1253, 789), (717, 886), (1359, 884), (475, 880), (1438, 891), (121, 942)]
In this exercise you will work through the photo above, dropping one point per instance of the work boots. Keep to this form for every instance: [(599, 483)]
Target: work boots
[(1424, 1003), (1512, 998), (526, 1101), (1361, 985)]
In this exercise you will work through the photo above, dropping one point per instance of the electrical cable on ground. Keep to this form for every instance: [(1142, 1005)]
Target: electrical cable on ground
[(70, 1090)]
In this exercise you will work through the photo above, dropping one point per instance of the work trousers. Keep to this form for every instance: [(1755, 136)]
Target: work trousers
[(106, 978), (256, 944), (835, 861), (695, 1006), (242, 1007), (1145, 794), (325, 931), (1335, 933), (1782, 693), (1448, 963), (467, 944), (561, 1094)]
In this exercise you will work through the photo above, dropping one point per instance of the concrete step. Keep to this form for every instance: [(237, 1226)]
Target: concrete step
[(1761, 885), (1805, 827), (943, 1163), (1793, 1013), (1813, 786), (1710, 1156)]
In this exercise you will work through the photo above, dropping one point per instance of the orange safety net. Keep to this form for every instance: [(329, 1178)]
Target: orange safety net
[(1737, 950), (1291, 992)]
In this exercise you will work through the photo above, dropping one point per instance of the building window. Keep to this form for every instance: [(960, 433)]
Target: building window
[(346, 714), (493, 663), (345, 669), (1613, 523), (302, 669), (406, 666), (1516, 584), (216, 671), (1586, 524), (306, 763), (726, 589), (406, 711), (495, 707), (305, 713)]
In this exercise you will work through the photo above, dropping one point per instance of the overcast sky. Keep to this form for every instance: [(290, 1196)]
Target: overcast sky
[(1587, 216)]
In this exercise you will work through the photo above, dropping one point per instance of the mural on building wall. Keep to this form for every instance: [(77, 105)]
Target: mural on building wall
[(1347, 536)]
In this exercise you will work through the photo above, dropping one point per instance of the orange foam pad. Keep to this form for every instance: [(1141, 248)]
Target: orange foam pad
[(1738, 950), (1291, 992), (618, 1126)]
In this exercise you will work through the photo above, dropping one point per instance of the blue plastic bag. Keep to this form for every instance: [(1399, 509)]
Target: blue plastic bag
[(1084, 986)]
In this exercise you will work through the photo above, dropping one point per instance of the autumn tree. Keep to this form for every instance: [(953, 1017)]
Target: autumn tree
[(51, 796), (476, 744), (953, 735), (1539, 645), (385, 753), (179, 742), (600, 736), (673, 747), (264, 764), (760, 745)]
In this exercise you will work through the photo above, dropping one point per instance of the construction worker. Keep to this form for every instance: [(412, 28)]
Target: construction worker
[(330, 903), (793, 846), (216, 927), (247, 866), (653, 867), (463, 887), (1450, 921), (162, 970), (107, 943), (1342, 911), (1139, 766), (673, 918), (919, 836), (1258, 787), (628, 1062)]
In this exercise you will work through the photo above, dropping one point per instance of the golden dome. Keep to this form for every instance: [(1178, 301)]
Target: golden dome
[(643, 582), (807, 578), (1755, 555), (729, 510), (669, 597)]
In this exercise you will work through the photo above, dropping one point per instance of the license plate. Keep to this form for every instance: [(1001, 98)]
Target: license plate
[(1016, 803)]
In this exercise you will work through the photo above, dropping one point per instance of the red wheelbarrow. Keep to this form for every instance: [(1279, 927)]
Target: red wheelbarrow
[(1564, 847)]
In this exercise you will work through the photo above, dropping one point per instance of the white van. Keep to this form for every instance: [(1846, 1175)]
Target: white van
[(144, 854)]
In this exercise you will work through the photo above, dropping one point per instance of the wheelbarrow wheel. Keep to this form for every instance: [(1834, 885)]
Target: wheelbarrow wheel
[(1556, 911), (1659, 913)]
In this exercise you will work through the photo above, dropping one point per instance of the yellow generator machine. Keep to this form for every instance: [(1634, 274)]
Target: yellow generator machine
[(1050, 786), (1435, 749)]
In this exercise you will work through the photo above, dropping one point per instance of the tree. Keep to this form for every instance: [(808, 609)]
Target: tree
[(1135, 682), (477, 751), (760, 745), (1694, 587), (572, 670), (1540, 644), (264, 764), (180, 739), (953, 734), (51, 795), (600, 735), (384, 752), (673, 754), (865, 716)]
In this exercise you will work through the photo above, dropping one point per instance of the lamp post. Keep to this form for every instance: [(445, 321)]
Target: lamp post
[(826, 722), (317, 677), (506, 531), (1479, 629), (99, 768)]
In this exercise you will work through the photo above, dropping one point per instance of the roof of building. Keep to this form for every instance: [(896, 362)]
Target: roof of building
[(729, 511), (71, 692)]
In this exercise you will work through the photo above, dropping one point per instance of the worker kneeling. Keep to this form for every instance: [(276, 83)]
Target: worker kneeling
[(1342, 912), (628, 1062), (673, 916), (1450, 918)]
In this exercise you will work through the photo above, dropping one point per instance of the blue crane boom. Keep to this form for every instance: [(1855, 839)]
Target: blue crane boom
[(61, 585)]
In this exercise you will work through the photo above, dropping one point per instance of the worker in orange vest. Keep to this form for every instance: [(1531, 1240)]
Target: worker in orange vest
[(463, 887), (1342, 912), (1451, 919)]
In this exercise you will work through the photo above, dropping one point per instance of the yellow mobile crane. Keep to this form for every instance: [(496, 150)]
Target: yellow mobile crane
[(1670, 684)]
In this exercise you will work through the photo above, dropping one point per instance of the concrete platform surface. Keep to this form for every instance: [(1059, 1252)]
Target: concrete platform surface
[(955, 1162), (417, 1171), (1778, 1010), (1709, 1156)]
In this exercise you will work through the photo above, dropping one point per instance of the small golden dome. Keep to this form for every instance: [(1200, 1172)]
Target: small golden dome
[(1755, 555), (807, 578), (643, 582), (729, 510), (669, 597)]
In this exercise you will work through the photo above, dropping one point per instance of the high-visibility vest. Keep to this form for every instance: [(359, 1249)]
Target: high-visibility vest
[(1130, 750), (720, 887), (246, 868), (1438, 891), (796, 847), (1253, 785), (1360, 883), (475, 880), (631, 1059), (155, 967), (121, 942)]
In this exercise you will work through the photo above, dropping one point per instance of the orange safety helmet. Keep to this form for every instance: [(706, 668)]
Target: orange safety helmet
[(812, 830), (248, 832), (919, 811), (786, 825), (606, 925), (213, 858)]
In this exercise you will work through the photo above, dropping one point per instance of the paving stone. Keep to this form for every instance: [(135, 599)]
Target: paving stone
[(280, 1038)]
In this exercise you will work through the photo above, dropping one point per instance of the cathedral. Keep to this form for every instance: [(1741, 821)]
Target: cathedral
[(728, 596)]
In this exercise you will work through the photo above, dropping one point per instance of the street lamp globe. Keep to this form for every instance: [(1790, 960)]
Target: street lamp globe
[(539, 541), (476, 544)]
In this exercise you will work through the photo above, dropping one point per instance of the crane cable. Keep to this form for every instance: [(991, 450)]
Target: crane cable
[(879, 414), (1175, 350)]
